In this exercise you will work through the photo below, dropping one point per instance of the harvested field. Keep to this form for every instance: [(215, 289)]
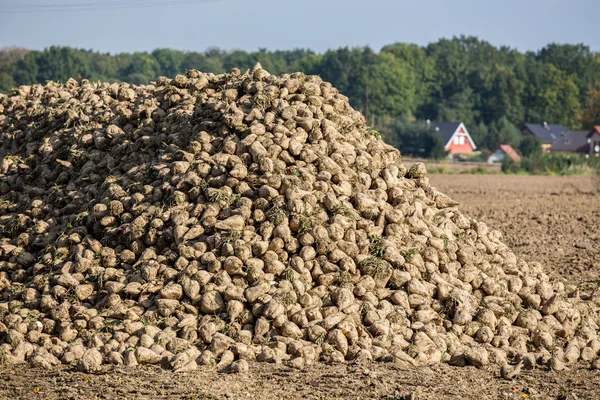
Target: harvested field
[(548, 219)]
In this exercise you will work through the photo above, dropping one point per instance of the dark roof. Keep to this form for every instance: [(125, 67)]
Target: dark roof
[(571, 141), (446, 129), (595, 129), (547, 133)]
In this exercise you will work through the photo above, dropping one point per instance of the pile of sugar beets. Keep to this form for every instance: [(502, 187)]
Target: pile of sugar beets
[(212, 220)]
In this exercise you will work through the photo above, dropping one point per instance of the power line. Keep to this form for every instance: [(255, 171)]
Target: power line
[(96, 5)]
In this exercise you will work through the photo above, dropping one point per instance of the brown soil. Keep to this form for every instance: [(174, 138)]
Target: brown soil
[(553, 220)]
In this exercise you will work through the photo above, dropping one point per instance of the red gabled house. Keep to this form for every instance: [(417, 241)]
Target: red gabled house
[(455, 137)]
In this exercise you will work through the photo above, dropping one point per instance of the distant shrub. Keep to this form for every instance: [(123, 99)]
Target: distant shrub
[(553, 164), (476, 171), (509, 166)]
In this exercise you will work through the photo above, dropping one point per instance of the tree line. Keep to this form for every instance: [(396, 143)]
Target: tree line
[(493, 90)]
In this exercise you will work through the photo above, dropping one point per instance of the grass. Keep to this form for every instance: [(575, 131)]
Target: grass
[(275, 214), (230, 237), (376, 247), (553, 164), (61, 253), (408, 254), (195, 147), (80, 218), (347, 212), (266, 341), (31, 317), (426, 275), (445, 239), (263, 101), (146, 322), (320, 339), (437, 170), (217, 196), (289, 275), (72, 298), (306, 224), (226, 329), (285, 298), (344, 278), (475, 171), (107, 327), (374, 133), (376, 265)]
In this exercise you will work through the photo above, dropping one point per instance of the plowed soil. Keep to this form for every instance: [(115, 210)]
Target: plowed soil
[(554, 220)]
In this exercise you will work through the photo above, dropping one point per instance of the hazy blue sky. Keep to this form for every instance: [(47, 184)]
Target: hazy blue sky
[(136, 25)]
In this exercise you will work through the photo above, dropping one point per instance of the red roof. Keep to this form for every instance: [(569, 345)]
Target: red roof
[(510, 152)]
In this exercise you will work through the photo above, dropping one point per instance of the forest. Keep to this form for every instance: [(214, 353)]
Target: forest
[(493, 90)]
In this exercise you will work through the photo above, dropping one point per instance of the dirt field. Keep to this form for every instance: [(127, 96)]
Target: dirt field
[(554, 220)]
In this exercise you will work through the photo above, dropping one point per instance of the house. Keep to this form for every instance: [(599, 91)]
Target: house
[(455, 137), (548, 134), (505, 150), (593, 139), (571, 142)]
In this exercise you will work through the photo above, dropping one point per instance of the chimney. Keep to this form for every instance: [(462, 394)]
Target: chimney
[(545, 125)]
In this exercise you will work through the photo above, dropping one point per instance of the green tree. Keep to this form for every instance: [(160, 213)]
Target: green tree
[(141, 69), (7, 82), (170, 61), (530, 145), (591, 114), (574, 59), (558, 98), (503, 132), (205, 62), (459, 79), (392, 87), (420, 63), (415, 139), (60, 64)]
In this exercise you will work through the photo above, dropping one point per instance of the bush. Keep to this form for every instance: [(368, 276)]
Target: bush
[(509, 166), (553, 164)]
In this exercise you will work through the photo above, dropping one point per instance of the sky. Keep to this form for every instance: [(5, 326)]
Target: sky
[(116, 26)]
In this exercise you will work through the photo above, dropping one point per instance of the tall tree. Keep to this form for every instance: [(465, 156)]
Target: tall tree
[(557, 100), (170, 61), (421, 64), (574, 59), (141, 69), (591, 114)]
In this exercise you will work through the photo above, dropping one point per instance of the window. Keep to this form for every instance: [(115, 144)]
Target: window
[(455, 139), (461, 140)]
